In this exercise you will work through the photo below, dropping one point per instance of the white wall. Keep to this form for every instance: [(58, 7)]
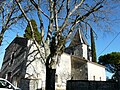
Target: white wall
[(63, 71), (85, 52), (96, 71), (35, 69)]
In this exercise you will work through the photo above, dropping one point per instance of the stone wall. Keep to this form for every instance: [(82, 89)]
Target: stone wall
[(91, 85), (78, 69)]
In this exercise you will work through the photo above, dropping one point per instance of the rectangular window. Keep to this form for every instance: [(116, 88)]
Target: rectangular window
[(100, 78), (56, 78), (11, 59), (94, 78)]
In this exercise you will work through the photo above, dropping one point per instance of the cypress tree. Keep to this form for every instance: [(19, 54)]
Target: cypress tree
[(28, 32), (93, 49)]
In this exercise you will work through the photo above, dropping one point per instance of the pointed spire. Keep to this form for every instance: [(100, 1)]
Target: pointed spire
[(78, 39)]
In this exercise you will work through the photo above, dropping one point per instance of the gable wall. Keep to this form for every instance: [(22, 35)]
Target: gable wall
[(10, 63), (96, 72)]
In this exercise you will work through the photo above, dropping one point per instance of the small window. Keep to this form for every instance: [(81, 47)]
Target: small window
[(56, 78), (100, 78), (94, 78), (9, 76), (11, 59)]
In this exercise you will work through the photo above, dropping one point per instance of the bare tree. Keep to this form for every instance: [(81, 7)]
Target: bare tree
[(10, 15), (57, 20)]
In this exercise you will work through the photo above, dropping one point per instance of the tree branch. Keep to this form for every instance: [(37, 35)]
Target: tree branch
[(31, 27), (50, 26), (40, 18), (69, 14)]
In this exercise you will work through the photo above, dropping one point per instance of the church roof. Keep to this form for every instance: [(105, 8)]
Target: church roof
[(85, 60), (20, 41), (78, 39)]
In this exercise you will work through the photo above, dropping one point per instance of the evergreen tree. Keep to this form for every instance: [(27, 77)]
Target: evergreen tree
[(28, 32), (111, 61), (93, 49)]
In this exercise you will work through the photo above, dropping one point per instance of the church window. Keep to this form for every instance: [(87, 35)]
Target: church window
[(8, 76), (100, 78), (56, 78), (11, 58), (94, 78)]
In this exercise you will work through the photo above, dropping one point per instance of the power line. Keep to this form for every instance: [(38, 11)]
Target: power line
[(109, 44)]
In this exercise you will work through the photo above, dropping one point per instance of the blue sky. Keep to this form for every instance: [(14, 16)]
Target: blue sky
[(108, 42)]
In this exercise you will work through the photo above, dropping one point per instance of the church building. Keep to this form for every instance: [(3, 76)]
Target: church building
[(23, 65)]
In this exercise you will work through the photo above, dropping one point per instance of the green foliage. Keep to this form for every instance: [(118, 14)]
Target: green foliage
[(111, 61), (28, 32), (93, 49)]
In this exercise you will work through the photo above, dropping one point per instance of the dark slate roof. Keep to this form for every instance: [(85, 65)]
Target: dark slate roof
[(78, 39), (20, 41)]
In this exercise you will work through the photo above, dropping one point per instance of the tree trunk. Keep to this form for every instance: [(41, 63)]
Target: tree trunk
[(50, 78)]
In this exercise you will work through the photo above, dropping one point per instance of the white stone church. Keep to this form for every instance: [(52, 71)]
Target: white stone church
[(22, 64)]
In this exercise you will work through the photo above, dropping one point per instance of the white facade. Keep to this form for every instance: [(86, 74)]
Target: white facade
[(35, 69), (63, 71), (85, 51), (35, 66), (96, 72)]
